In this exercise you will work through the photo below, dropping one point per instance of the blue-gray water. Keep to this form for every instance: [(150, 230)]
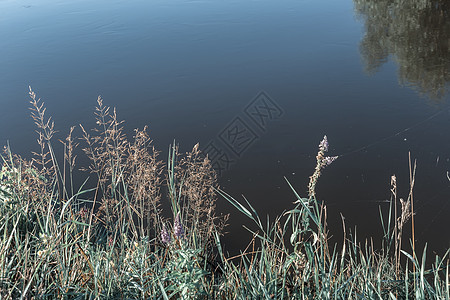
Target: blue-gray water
[(191, 70)]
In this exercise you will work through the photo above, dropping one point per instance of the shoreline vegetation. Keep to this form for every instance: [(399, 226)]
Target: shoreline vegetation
[(113, 241)]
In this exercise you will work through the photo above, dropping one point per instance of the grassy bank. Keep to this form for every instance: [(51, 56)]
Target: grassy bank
[(111, 239)]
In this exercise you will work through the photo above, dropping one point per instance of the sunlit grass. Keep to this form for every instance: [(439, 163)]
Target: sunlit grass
[(112, 240)]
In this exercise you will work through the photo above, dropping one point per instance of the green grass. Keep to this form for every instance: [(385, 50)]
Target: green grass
[(113, 241)]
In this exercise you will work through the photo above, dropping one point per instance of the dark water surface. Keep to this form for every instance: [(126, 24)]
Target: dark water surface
[(371, 75)]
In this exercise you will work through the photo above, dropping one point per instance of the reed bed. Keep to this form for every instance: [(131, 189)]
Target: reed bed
[(109, 238)]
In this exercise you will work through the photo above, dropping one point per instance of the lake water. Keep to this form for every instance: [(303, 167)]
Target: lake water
[(258, 84)]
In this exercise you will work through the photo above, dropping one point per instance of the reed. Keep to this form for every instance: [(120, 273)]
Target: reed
[(109, 237)]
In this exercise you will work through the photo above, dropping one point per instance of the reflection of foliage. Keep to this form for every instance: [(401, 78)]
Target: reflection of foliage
[(416, 33)]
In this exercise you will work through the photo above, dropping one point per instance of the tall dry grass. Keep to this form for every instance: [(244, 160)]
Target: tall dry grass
[(60, 240)]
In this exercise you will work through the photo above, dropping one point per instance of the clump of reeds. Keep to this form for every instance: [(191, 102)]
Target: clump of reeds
[(59, 240), (311, 268), (108, 237)]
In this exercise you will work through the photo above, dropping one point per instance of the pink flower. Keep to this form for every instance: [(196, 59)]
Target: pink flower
[(165, 236), (178, 227), (328, 160), (323, 146)]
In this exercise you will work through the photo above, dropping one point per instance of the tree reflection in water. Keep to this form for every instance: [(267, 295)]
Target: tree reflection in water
[(416, 33)]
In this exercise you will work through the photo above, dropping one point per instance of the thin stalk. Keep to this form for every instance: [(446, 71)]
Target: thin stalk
[(411, 184)]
